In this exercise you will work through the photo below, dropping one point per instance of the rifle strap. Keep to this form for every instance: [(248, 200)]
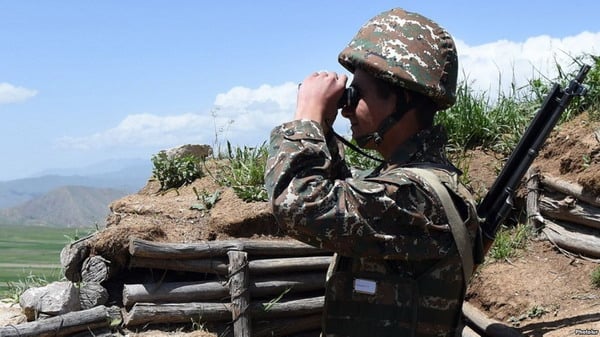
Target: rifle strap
[(457, 225)]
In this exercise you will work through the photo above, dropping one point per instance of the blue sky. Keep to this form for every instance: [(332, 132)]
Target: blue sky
[(82, 82)]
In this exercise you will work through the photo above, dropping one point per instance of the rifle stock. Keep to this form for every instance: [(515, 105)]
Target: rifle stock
[(498, 202)]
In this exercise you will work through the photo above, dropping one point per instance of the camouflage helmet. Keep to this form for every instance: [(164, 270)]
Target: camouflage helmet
[(407, 50)]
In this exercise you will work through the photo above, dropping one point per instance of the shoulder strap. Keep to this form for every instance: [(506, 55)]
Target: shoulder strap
[(459, 230)]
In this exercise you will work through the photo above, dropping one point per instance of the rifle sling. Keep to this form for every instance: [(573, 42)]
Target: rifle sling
[(457, 226)]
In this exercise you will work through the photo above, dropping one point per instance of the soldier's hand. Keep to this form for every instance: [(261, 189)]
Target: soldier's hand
[(318, 96)]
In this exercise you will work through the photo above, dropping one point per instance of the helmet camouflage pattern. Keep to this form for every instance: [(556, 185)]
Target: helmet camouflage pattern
[(407, 50)]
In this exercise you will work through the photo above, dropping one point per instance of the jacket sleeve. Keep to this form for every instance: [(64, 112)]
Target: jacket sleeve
[(317, 202)]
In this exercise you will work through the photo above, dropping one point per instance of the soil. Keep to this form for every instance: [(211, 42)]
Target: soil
[(541, 292)]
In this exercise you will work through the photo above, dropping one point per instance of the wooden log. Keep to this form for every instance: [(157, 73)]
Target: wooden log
[(213, 266), (291, 264), (72, 257), (219, 267), (467, 331), (95, 269), (239, 278), (174, 292), (91, 295), (294, 282), (181, 292), (102, 332), (145, 313), (568, 209), (534, 218), (480, 323), (571, 189), (149, 313), (288, 326), (66, 324), (278, 309), (312, 333), (253, 247), (575, 239)]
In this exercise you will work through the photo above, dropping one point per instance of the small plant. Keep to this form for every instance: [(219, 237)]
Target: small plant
[(198, 325), (268, 306), (245, 172), (207, 200), (596, 277), (537, 311), (15, 289), (508, 241), (177, 171)]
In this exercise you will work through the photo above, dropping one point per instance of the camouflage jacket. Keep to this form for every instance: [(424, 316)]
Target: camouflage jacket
[(388, 227)]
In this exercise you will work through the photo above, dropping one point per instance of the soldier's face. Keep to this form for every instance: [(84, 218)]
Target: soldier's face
[(371, 109)]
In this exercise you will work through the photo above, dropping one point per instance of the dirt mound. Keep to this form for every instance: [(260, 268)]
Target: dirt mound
[(543, 291)]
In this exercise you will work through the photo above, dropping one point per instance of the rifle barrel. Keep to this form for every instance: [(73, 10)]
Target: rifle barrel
[(498, 202)]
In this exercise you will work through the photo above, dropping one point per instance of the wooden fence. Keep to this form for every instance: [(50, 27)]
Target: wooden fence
[(272, 288), (235, 287)]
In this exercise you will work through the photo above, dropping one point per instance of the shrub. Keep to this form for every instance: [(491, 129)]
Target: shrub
[(177, 171), (245, 173)]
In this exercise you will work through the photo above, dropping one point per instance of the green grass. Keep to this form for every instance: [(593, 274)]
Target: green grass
[(509, 241), (595, 277), (245, 172), (32, 253)]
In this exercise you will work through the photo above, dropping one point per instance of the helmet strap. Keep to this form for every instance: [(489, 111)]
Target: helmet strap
[(402, 106)]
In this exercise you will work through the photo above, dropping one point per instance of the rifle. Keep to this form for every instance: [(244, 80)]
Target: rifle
[(498, 202)]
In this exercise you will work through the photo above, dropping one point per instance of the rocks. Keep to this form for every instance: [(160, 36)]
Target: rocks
[(198, 151), (59, 298), (54, 299)]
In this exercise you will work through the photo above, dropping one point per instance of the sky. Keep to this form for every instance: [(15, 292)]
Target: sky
[(82, 82)]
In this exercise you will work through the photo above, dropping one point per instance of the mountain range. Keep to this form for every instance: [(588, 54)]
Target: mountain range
[(69, 197)]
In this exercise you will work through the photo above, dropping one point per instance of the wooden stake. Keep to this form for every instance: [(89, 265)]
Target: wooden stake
[(239, 279)]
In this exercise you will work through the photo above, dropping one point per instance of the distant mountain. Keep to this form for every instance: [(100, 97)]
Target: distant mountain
[(128, 176), (66, 206), (100, 168)]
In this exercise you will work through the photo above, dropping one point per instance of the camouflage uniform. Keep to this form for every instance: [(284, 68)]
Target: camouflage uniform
[(387, 227), (397, 270)]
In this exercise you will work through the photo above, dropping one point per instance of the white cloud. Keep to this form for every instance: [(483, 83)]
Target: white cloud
[(145, 130), (245, 116), (12, 94), (507, 61)]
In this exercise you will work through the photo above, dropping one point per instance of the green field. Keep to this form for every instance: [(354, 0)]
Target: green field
[(28, 253)]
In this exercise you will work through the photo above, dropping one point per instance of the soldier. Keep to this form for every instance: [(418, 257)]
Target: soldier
[(402, 234)]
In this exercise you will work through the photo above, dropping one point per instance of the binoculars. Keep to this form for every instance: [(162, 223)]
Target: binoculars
[(349, 98)]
